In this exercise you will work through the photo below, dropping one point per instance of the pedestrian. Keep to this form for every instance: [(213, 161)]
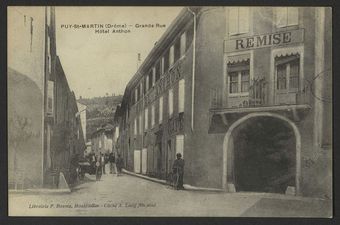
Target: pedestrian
[(98, 169), (112, 163), (102, 162), (119, 164), (178, 169)]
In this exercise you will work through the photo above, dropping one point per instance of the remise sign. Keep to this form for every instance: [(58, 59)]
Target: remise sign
[(264, 40)]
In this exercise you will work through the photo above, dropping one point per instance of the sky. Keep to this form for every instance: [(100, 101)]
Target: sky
[(97, 64)]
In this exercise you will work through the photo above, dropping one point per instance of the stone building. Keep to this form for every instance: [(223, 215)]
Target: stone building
[(102, 139), (39, 101)]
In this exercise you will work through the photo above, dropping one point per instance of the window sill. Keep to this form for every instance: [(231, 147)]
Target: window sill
[(234, 95), (287, 27)]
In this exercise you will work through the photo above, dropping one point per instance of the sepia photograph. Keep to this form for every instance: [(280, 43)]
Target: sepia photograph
[(170, 111)]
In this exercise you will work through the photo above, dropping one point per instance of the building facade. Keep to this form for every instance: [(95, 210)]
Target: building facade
[(82, 115), (38, 97), (244, 93), (102, 139)]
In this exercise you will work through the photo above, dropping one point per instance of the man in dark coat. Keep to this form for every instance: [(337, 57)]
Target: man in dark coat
[(119, 164), (112, 163), (178, 168)]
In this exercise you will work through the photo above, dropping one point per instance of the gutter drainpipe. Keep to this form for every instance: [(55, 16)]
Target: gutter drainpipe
[(193, 70)]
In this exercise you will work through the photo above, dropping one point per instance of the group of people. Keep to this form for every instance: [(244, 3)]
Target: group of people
[(117, 164), (100, 161)]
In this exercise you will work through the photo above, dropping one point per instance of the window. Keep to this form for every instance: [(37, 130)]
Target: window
[(238, 20), (165, 62), (172, 55), (153, 115), (245, 81), (281, 77), (287, 72), (239, 77), (162, 65), (136, 95), (146, 111), (171, 102), (233, 77), (177, 49), (150, 79), (147, 83), (140, 90), (287, 16), (158, 70), (183, 44), (160, 109), (181, 96)]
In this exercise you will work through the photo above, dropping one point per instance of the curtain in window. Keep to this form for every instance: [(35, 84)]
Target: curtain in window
[(281, 77), (233, 76), (245, 81), (294, 74)]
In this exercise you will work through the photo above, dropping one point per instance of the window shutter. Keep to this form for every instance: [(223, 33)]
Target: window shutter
[(183, 44), (243, 16), (171, 55), (160, 109), (146, 111), (293, 16), (281, 16), (233, 20), (181, 89), (153, 115), (171, 102)]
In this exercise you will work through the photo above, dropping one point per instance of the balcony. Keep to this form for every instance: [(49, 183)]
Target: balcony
[(261, 97)]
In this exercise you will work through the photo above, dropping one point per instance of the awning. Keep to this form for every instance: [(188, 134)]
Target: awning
[(238, 58), (279, 60)]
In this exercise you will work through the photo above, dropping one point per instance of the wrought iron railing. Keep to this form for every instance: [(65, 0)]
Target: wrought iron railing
[(258, 96)]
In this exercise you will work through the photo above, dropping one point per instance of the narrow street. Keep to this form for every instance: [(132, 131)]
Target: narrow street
[(131, 196)]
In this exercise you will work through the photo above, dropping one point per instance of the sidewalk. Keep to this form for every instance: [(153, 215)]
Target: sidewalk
[(260, 194), (186, 186)]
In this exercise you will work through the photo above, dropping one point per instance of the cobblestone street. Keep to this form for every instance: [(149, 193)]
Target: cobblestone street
[(131, 196)]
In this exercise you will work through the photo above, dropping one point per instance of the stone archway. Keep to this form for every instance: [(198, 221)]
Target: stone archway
[(228, 186)]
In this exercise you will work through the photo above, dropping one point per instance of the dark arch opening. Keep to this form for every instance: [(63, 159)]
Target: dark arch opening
[(264, 155)]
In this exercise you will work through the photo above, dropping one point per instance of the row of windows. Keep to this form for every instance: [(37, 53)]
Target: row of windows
[(138, 121), (287, 70), (239, 18), (171, 55)]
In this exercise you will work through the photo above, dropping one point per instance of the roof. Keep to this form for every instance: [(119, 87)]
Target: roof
[(176, 26)]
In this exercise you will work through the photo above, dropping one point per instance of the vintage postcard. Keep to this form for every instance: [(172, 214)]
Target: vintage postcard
[(170, 111)]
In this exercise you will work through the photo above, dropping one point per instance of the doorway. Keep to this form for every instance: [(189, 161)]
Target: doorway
[(263, 155)]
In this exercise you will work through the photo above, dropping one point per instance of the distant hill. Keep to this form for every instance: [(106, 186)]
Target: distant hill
[(99, 110)]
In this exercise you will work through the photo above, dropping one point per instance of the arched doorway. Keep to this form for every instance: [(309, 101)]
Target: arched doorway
[(262, 154)]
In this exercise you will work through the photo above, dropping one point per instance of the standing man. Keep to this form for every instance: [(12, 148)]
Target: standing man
[(119, 164), (98, 168), (102, 161), (112, 163), (178, 169)]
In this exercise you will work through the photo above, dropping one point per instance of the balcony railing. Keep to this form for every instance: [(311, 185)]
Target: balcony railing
[(258, 96)]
